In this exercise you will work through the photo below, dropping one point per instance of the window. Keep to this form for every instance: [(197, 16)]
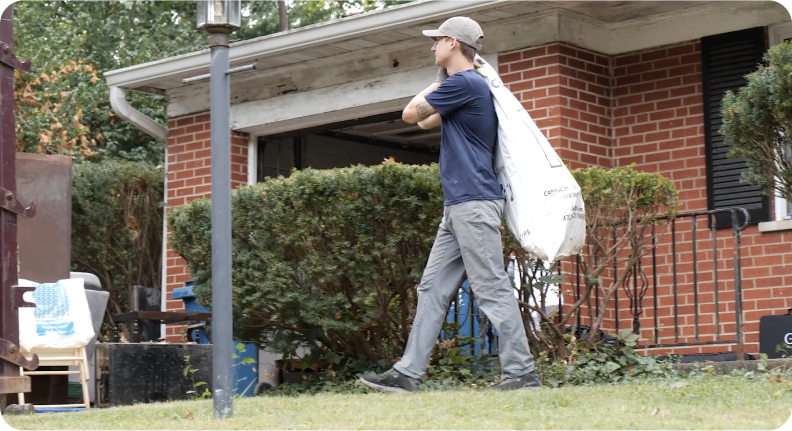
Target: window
[(276, 157), (726, 59)]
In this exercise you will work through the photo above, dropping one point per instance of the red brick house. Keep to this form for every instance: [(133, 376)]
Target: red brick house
[(610, 83)]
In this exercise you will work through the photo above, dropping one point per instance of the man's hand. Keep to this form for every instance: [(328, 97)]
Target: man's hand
[(442, 75)]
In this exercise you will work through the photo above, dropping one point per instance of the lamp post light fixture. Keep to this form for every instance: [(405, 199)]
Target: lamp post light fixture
[(221, 16)]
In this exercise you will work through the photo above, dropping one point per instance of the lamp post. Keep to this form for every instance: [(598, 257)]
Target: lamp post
[(219, 18)]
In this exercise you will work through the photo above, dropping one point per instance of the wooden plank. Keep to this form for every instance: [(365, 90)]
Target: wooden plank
[(162, 316), (338, 103), (14, 384), (62, 406)]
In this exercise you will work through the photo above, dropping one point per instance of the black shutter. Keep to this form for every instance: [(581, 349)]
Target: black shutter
[(726, 59)]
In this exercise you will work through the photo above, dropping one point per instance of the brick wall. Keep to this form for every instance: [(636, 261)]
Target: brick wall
[(566, 90), (658, 124), (650, 114), (189, 178)]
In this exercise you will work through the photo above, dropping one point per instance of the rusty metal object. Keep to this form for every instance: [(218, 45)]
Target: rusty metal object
[(10, 380), (18, 292), (8, 58), (9, 202), (10, 352), (46, 237)]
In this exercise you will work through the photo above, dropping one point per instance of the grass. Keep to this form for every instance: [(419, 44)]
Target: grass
[(708, 402)]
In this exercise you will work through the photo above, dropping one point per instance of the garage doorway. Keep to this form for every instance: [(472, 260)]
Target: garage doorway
[(365, 141)]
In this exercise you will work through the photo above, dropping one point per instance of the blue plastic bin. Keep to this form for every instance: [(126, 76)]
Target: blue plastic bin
[(245, 376), (466, 313)]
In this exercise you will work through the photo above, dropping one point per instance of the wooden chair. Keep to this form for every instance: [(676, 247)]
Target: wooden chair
[(73, 357)]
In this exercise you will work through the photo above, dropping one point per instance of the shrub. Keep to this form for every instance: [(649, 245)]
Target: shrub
[(621, 207), (324, 257), (331, 258), (117, 226), (757, 123)]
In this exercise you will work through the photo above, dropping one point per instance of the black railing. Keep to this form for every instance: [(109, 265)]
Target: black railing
[(637, 284)]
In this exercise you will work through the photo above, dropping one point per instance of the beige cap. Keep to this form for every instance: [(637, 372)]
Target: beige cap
[(460, 28)]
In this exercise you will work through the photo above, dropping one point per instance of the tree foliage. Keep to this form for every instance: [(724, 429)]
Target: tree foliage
[(49, 119), (62, 107), (757, 123), (70, 36), (117, 226), (101, 36)]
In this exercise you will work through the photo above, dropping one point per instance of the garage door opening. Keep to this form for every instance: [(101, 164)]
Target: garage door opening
[(367, 141)]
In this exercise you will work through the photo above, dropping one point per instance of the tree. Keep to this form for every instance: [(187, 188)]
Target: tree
[(63, 38), (757, 123)]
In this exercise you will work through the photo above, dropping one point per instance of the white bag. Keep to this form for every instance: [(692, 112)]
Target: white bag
[(60, 319), (544, 207)]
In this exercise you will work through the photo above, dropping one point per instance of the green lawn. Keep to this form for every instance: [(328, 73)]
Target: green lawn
[(723, 402)]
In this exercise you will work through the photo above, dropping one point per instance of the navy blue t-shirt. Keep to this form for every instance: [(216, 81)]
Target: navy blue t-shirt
[(469, 133)]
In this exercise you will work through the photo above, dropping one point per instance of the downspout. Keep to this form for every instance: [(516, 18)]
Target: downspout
[(122, 108)]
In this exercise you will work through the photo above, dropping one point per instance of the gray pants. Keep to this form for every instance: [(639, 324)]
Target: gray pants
[(468, 239)]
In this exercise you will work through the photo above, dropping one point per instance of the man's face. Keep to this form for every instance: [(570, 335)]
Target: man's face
[(442, 50)]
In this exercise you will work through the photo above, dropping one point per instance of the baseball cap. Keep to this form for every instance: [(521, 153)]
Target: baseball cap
[(460, 28)]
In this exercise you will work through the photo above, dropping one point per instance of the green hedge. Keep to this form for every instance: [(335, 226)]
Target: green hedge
[(331, 258), (324, 256), (117, 226)]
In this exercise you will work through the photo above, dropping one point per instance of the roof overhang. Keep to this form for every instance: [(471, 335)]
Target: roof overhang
[(280, 49), (609, 27), (332, 64)]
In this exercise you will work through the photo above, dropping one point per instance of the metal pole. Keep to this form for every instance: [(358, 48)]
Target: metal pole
[(220, 122), (695, 279), (674, 260), (10, 294), (9, 327), (284, 23), (737, 286), (712, 219), (654, 283)]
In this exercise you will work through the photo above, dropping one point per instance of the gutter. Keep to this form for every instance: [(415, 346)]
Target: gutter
[(122, 108)]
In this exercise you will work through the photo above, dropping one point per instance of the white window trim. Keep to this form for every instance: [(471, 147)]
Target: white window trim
[(252, 161)]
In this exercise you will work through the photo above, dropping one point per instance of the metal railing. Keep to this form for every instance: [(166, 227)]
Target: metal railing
[(637, 284)]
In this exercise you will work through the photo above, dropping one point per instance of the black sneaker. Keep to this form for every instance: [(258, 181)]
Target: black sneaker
[(391, 381), (530, 380)]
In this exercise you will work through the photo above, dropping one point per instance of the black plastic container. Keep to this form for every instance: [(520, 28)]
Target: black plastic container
[(131, 373)]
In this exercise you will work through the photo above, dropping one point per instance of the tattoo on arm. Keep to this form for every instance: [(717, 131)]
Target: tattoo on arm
[(424, 110)]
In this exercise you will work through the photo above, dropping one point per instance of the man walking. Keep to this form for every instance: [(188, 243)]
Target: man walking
[(468, 237)]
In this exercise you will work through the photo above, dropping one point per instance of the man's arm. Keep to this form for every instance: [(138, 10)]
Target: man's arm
[(430, 123), (418, 109)]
